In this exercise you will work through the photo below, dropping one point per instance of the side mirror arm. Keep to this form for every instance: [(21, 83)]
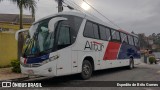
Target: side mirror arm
[(19, 31), (53, 21)]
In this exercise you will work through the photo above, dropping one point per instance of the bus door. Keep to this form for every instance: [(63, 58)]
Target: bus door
[(64, 51), (74, 62), (98, 46)]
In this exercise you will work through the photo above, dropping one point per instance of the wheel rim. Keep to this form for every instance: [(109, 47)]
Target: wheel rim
[(86, 70), (131, 65)]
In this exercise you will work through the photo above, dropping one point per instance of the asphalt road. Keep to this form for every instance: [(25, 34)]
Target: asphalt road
[(142, 72)]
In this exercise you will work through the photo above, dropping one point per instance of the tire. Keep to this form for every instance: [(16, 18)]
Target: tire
[(86, 70), (155, 62), (131, 64)]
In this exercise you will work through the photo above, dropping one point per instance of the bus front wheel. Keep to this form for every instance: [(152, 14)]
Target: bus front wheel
[(86, 70)]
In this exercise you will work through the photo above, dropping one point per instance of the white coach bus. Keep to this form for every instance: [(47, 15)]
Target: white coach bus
[(72, 42)]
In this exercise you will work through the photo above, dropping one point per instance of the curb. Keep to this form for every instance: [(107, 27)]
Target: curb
[(16, 79), (143, 63), (25, 78)]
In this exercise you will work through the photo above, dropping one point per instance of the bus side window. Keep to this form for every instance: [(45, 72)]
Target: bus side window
[(95, 29), (130, 38), (136, 41), (64, 39), (124, 38), (108, 33), (104, 33), (115, 36), (88, 31)]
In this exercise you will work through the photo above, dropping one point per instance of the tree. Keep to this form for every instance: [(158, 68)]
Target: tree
[(143, 42), (24, 4)]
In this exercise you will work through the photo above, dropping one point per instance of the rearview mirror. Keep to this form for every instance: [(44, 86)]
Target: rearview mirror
[(52, 22), (18, 32)]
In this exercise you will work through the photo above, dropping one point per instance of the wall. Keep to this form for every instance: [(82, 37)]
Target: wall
[(8, 44), (157, 54), (8, 48)]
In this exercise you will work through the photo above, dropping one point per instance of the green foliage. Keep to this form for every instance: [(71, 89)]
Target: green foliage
[(157, 41), (16, 66), (156, 38), (152, 60), (143, 42)]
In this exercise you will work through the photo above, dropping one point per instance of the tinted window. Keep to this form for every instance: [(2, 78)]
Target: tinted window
[(88, 32), (74, 24), (136, 42), (124, 38), (115, 36), (103, 33), (67, 31), (96, 33), (130, 39), (64, 36), (108, 33)]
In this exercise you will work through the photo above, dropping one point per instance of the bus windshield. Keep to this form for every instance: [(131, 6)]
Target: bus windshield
[(44, 42)]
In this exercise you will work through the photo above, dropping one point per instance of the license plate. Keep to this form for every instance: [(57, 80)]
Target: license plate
[(30, 72)]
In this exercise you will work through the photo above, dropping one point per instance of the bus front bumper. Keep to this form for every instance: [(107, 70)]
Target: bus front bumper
[(48, 70)]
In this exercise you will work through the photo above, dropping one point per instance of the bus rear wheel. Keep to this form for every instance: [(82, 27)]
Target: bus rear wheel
[(86, 70), (131, 64)]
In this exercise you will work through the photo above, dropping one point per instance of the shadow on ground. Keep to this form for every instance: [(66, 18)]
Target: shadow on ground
[(74, 80)]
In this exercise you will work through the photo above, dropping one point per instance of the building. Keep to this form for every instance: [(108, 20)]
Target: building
[(14, 18), (154, 46), (9, 24)]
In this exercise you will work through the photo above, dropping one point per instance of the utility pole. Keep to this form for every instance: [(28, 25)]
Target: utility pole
[(60, 6)]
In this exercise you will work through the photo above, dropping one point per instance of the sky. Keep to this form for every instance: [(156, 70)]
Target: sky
[(140, 16)]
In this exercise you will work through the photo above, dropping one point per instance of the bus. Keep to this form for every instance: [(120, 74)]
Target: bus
[(75, 43)]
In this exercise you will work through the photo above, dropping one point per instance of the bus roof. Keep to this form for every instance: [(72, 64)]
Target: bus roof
[(79, 14), (135, 35), (123, 31), (88, 17)]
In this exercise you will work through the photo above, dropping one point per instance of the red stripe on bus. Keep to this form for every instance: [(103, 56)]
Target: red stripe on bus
[(111, 51), (25, 61), (96, 42)]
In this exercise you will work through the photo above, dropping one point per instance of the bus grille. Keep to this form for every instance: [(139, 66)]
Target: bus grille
[(32, 65)]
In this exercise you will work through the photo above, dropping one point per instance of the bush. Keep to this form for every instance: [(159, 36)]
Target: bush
[(16, 66), (152, 60)]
